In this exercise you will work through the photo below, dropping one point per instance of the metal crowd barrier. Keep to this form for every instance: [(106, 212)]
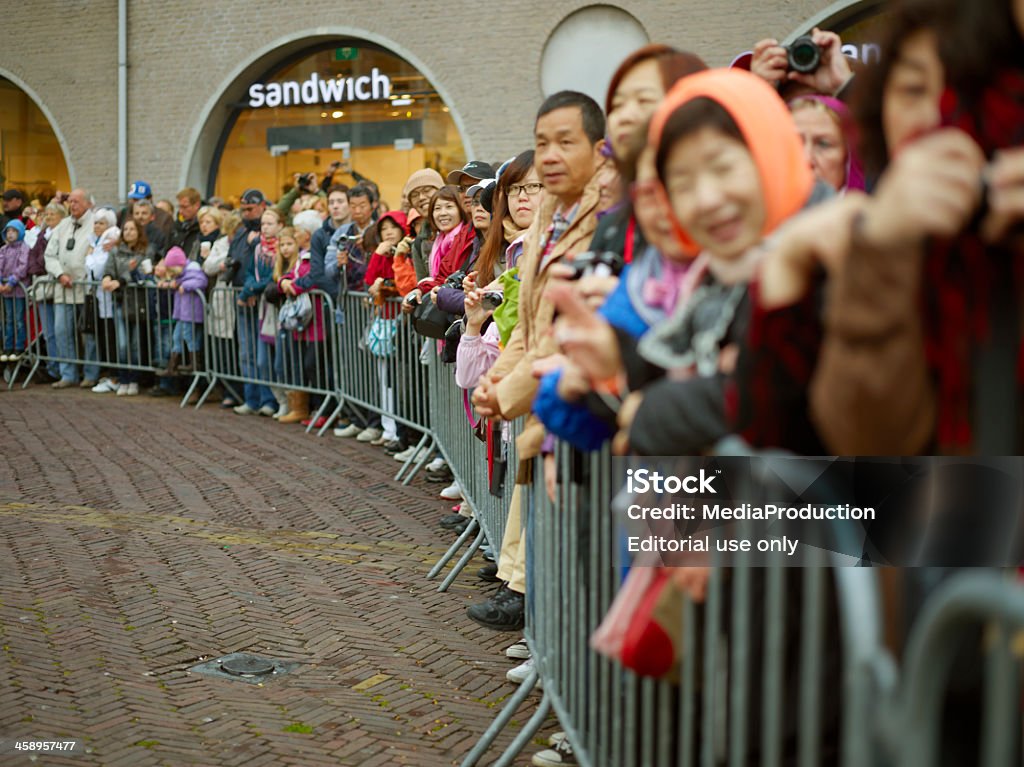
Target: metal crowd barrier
[(83, 330), (761, 657), (247, 346), (467, 457)]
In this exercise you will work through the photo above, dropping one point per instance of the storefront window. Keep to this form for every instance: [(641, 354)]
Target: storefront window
[(352, 101), (30, 155)]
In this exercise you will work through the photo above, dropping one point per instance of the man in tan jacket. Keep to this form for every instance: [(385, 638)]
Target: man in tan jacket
[(568, 136)]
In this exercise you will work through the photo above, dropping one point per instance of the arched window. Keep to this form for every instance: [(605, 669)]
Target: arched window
[(30, 154)]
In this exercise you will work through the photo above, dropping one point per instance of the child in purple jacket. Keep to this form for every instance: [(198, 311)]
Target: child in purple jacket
[(189, 280), (13, 273)]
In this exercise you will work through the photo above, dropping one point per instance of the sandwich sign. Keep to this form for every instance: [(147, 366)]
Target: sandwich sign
[(316, 90)]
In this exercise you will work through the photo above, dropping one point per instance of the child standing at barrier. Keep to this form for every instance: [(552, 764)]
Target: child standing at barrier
[(124, 279), (187, 279), (221, 354), (13, 270), (287, 355), (259, 273)]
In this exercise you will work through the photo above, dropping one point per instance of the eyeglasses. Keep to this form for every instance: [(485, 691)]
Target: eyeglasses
[(531, 189), (71, 240)]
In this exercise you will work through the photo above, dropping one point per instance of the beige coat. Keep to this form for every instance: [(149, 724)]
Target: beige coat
[(59, 260), (530, 340)]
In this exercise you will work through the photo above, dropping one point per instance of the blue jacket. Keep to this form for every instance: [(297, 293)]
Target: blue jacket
[(258, 274), (318, 278), (241, 251), (574, 422)]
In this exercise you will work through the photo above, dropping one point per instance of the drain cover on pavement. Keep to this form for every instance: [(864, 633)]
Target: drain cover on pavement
[(243, 667)]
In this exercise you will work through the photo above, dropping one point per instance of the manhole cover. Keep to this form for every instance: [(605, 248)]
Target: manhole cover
[(244, 667)]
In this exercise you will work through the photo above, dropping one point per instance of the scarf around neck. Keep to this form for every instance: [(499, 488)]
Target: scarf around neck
[(442, 247)]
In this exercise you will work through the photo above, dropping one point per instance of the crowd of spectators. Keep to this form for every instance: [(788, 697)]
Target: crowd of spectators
[(819, 259)]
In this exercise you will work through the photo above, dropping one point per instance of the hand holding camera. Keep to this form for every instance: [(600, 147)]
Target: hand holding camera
[(815, 60)]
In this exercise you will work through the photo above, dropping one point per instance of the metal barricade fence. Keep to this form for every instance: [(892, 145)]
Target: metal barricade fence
[(762, 659), (125, 331), (467, 456), (247, 345)]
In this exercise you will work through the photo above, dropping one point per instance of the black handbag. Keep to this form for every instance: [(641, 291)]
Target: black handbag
[(135, 303), (430, 321), (87, 312)]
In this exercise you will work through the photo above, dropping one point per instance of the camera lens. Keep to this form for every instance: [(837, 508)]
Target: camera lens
[(804, 55)]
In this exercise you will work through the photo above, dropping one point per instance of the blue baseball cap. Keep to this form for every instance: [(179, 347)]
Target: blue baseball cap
[(139, 190)]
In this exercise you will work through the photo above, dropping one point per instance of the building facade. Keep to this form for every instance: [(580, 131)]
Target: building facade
[(225, 96)]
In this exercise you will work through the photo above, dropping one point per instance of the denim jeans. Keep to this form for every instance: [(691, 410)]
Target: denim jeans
[(127, 346), (247, 326), (288, 360), (45, 309), (265, 372), (66, 337), (187, 336), (163, 338), (15, 331)]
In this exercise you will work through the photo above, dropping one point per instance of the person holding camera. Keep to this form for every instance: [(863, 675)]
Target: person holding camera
[(811, 64), (304, 185)]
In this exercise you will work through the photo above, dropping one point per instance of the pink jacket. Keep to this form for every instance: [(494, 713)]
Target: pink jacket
[(475, 356)]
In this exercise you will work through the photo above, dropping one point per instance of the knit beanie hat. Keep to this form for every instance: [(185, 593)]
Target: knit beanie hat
[(425, 177), (175, 257)]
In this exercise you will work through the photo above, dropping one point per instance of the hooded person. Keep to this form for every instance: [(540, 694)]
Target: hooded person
[(826, 127), (14, 255), (391, 228)]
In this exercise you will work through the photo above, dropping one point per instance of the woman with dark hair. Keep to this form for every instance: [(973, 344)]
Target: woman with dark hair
[(452, 245), (515, 200), (635, 91)]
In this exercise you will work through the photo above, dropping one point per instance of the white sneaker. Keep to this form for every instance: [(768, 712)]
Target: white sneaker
[(559, 756), (3, 357), (351, 430), (244, 409), (133, 390), (122, 390), (266, 410), (368, 435), (406, 454), (281, 411), (14, 357), (436, 465), (452, 492), (106, 386), (518, 674), (519, 651), (555, 739)]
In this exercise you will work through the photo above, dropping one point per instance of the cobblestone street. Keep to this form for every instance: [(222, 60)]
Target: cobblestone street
[(138, 540)]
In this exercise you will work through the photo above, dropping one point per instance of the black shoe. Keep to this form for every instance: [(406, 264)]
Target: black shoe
[(452, 521), (159, 391), (393, 446), (460, 527), (505, 611), (445, 476), (489, 573)]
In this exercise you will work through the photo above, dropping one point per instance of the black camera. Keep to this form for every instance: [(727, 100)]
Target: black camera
[(804, 55), (307, 181), (604, 264), (455, 280), (491, 300)]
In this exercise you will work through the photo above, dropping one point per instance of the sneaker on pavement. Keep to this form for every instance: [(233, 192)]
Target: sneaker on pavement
[(133, 390), (244, 409), (452, 492), (559, 756), (555, 739), (520, 651), (436, 465), (452, 521), (379, 441), (104, 387), (351, 430), (369, 434), (518, 674), (63, 383), (406, 454), (505, 611), (88, 383), (122, 390), (489, 573), (267, 410)]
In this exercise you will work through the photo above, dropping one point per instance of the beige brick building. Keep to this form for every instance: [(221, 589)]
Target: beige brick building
[(190, 65)]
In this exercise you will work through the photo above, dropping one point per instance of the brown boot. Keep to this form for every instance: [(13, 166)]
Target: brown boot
[(298, 407), (172, 366)]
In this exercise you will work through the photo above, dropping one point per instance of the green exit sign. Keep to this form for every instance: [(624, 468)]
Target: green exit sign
[(346, 54)]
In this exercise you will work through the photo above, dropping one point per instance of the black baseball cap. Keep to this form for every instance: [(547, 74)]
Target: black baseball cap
[(14, 194), (253, 197), (475, 170)]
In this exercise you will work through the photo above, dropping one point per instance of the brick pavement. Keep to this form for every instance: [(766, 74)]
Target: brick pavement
[(137, 540)]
